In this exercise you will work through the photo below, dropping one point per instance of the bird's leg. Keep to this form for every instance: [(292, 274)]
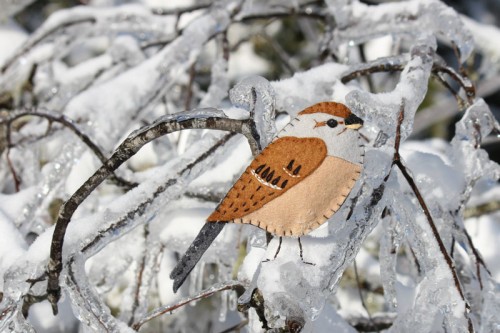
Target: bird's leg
[(301, 257), (277, 251)]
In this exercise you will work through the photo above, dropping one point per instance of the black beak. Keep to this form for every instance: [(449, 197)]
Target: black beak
[(353, 121)]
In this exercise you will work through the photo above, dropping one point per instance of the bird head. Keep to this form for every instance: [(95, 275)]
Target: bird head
[(329, 119), (333, 123)]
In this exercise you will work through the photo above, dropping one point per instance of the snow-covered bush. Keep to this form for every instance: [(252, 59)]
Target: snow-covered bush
[(127, 124)]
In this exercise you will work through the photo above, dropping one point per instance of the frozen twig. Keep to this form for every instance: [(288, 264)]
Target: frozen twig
[(479, 259), (285, 59), (15, 177), (397, 64), (41, 37), (375, 324), (397, 161), (209, 119), (180, 11), (69, 124), (77, 282), (360, 292), (256, 302), (387, 64), (205, 195), (230, 285), (139, 277), (482, 209), (440, 67)]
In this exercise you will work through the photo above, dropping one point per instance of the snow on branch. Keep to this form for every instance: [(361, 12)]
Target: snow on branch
[(171, 104)]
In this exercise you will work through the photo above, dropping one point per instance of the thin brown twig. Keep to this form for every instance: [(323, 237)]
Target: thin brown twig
[(139, 277), (285, 59), (69, 124), (360, 292), (397, 161), (482, 209), (35, 41), (189, 94), (230, 285), (396, 64), (17, 181), (477, 256)]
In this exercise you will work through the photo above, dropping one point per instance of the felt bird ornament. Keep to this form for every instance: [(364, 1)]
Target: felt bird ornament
[(294, 185)]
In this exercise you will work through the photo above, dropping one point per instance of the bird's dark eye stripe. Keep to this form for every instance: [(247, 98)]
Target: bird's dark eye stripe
[(332, 123)]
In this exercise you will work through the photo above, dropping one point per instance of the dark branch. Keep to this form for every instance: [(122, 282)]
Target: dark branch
[(376, 324), (35, 41), (69, 124), (212, 119), (231, 285), (397, 64), (397, 161)]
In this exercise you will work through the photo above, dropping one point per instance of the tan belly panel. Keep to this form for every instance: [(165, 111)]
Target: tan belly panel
[(310, 203)]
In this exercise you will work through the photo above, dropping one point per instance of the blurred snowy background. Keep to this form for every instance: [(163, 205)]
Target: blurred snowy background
[(78, 77)]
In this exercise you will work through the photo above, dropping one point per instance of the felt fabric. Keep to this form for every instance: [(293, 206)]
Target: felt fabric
[(331, 108), (284, 163), (340, 142), (302, 178), (310, 203)]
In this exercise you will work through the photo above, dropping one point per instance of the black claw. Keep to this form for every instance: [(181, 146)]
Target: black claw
[(297, 170), (290, 165), (284, 183), (276, 180)]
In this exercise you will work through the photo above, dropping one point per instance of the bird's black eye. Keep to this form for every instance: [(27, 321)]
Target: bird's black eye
[(332, 123)]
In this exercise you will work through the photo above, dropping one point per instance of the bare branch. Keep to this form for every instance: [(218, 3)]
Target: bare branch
[(70, 124), (229, 285), (404, 171), (38, 39), (209, 119), (376, 324), (360, 292)]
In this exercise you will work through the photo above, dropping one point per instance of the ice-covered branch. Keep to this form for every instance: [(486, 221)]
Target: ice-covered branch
[(230, 285), (420, 222), (201, 119), (67, 123)]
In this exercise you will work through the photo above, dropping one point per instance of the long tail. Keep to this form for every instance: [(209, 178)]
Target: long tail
[(193, 254)]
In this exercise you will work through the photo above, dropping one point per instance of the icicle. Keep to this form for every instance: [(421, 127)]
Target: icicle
[(262, 104)]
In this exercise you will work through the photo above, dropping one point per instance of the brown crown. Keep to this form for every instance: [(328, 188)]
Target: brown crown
[(332, 108)]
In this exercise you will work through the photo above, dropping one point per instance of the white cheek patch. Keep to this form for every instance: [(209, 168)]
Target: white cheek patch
[(340, 141)]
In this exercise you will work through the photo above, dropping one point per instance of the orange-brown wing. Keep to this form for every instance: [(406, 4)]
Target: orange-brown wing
[(280, 166)]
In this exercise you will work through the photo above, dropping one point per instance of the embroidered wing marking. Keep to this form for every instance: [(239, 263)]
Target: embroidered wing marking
[(281, 165)]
